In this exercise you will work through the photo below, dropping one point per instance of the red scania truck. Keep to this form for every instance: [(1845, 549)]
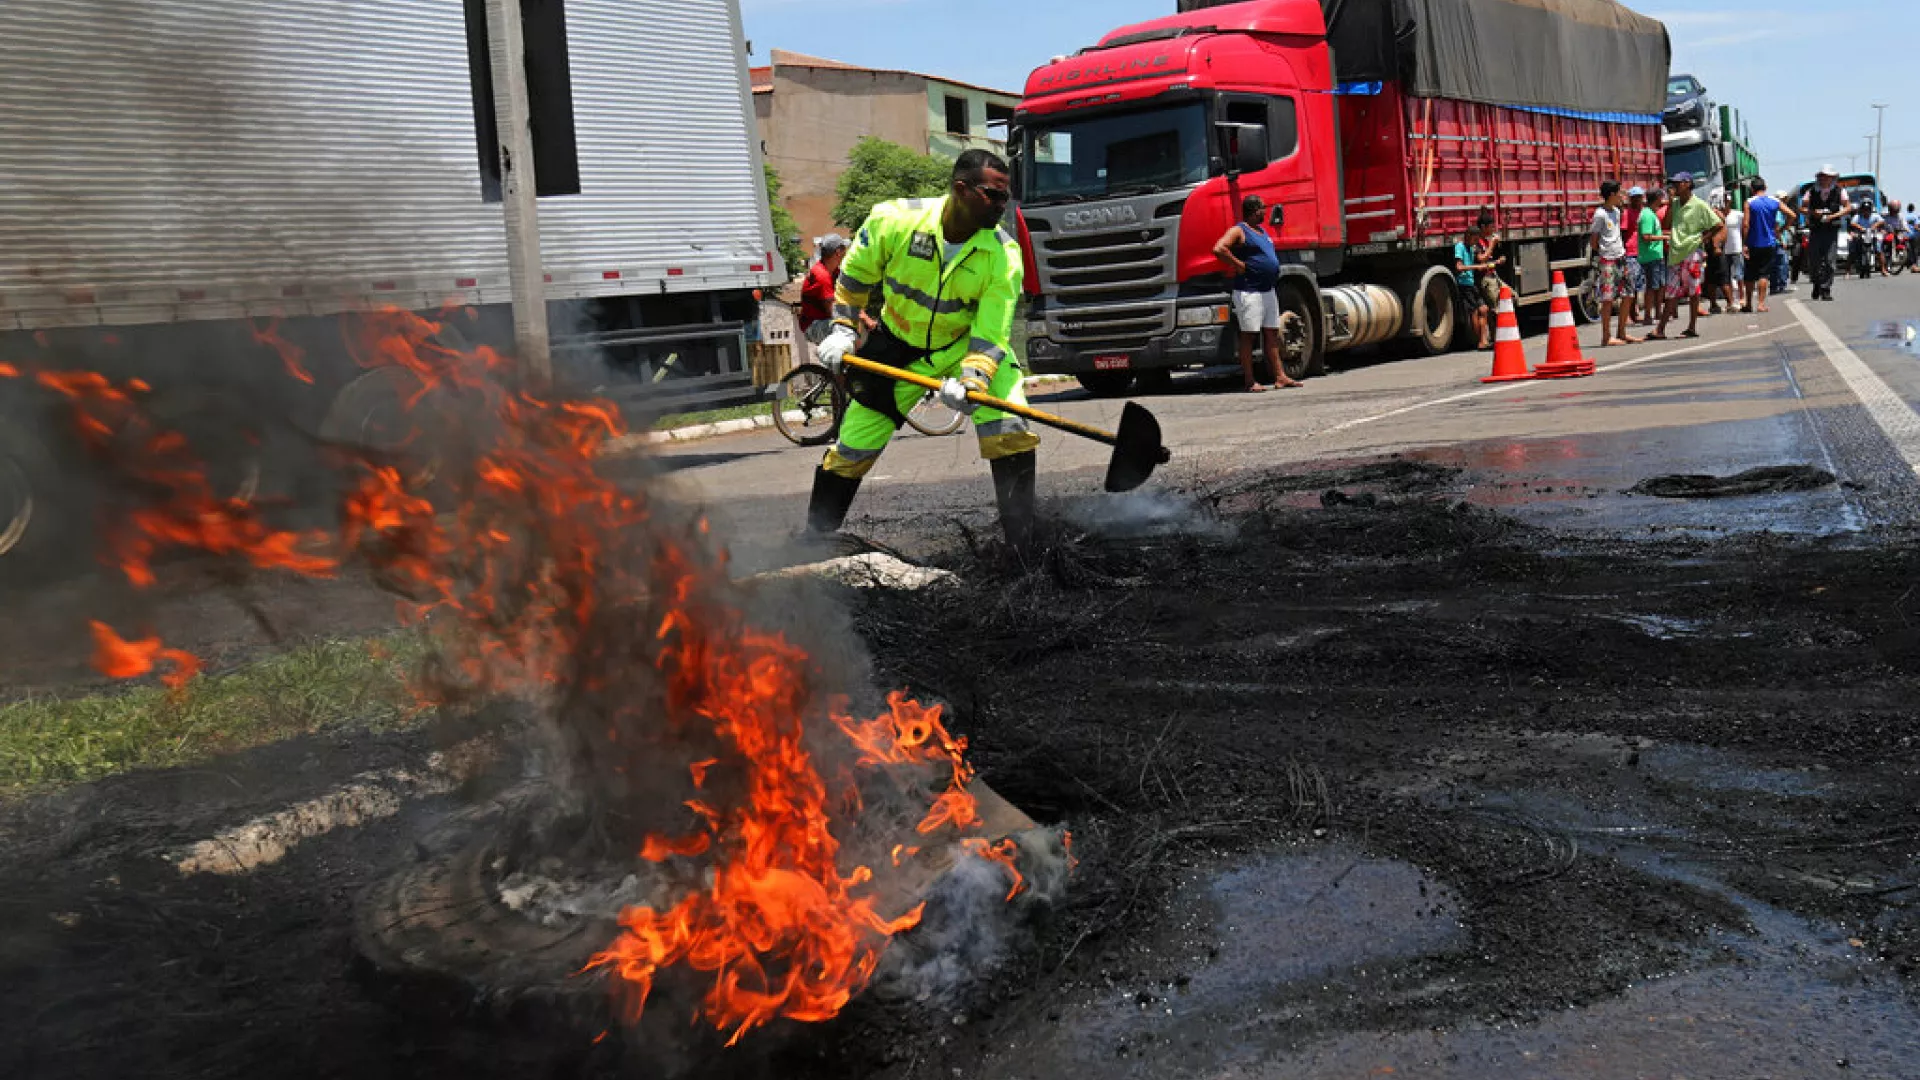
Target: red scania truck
[(1375, 130)]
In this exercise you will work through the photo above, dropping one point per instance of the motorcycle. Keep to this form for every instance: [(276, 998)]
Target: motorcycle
[(1899, 253), (1864, 251)]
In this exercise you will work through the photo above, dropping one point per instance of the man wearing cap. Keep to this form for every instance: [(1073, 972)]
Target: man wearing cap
[(1825, 207), (1691, 220)]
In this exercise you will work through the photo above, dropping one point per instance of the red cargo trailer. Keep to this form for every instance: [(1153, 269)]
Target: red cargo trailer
[(1377, 141)]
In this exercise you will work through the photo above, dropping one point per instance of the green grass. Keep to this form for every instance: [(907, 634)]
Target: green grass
[(339, 685), (710, 416)]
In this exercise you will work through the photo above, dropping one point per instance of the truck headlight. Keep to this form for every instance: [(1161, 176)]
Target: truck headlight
[(1202, 316)]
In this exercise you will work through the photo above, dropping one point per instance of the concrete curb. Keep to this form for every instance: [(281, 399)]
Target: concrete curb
[(627, 444)]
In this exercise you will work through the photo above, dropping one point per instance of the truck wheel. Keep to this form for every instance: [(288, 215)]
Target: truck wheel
[(1434, 306), (1106, 383), (1303, 351)]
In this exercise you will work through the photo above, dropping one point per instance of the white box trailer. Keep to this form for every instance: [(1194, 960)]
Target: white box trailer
[(175, 173), (180, 161)]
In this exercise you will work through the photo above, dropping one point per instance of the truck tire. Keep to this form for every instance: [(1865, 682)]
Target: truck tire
[(1432, 313), (1303, 344), (1106, 383)]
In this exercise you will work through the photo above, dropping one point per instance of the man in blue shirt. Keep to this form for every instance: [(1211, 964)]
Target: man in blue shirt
[(1763, 243)]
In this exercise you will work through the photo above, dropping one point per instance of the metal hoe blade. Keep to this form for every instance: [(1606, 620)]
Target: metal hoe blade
[(1136, 450)]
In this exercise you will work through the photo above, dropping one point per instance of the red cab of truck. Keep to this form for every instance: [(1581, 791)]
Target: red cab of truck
[(1374, 150)]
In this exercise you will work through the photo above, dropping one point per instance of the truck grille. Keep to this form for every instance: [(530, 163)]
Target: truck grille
[(1109, 288)]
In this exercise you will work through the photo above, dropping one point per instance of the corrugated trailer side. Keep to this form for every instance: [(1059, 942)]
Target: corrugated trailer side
[(172, 160), (1419, 170)]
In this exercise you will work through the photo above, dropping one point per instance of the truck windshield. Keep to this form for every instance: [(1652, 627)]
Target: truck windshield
[(1155, 148), (1695, 160)]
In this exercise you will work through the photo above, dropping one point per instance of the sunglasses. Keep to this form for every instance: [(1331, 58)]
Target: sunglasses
[(996, 196)]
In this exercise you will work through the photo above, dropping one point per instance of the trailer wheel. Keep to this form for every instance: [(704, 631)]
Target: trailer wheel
[(1434, 308), (1303, 349), (1106, 383)]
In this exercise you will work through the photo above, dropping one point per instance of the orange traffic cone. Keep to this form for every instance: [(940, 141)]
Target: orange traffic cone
[(1564, 359), (1509, 357)]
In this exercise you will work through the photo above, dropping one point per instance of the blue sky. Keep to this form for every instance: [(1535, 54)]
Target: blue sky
[(1806, 92)]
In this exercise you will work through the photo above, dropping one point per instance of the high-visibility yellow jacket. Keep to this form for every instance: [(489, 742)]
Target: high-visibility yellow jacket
[(960, 311)]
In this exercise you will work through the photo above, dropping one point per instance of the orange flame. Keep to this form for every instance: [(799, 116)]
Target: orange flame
[(118, 658), (522, 580)]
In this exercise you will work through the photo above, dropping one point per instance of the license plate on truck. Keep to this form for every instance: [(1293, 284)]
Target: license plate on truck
[(1112, 363)]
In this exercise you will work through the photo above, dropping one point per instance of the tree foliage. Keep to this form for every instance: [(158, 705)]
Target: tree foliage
[(878, 170), (786, 231)]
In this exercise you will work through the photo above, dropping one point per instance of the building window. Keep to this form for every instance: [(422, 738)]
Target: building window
[(957, 116), (999, 121), (556, 153)]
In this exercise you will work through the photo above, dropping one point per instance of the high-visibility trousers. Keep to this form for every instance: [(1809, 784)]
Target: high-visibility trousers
[(869, 424)]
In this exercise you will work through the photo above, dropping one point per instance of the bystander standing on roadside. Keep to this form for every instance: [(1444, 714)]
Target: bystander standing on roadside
[(1248, 249), (1609, 275), (1714, 251), (1734, 245), (1763, 244), (1825, 207), (1473, 264), (816, 295), (1789, 228), (1653, 257), (1692, 220), (1630, 239)]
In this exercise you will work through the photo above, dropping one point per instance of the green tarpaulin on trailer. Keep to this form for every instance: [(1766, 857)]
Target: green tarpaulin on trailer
[(1588, 56)]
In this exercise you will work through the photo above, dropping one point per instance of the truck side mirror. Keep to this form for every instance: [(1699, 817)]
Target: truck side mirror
[(1246, 146), (1278, 217)]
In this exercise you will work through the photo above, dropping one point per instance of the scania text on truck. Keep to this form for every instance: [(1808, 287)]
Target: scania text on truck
[(1376, 142), (180, 174)]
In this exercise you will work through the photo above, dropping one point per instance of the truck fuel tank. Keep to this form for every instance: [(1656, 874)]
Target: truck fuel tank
[(1361, 315)]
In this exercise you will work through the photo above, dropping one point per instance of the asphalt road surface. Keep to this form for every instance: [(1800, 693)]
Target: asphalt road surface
[(1399, 737), (1803, 384)]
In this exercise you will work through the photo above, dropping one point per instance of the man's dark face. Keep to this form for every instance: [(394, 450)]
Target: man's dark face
[(984, 197)]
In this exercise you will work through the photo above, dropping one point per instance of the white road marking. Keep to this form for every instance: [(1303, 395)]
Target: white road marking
[(1509, 388), (1888, 409)]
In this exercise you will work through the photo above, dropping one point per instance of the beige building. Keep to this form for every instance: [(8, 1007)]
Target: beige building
[(812, 111)]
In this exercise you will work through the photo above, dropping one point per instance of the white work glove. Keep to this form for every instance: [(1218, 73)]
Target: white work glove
[(953, 394), (837, 345)]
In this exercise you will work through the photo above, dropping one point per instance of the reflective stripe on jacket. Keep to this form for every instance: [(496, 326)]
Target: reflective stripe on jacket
[(962, 311)]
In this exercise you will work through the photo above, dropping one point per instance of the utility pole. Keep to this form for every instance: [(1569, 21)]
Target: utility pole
[(518, 194), (1879, 130)]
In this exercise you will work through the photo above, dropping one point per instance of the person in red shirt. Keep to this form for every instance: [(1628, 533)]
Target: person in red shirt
[(816, 296)]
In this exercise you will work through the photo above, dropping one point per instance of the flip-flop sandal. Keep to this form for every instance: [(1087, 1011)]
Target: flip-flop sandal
[(1689, 333), (1657, 337), (1292, 385), (1256, 389)]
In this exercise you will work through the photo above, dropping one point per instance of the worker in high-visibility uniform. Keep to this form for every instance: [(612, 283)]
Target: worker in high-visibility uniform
[(950, 275)]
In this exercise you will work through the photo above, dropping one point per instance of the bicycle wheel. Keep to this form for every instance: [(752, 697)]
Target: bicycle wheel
[(930, 417), (807, 405)]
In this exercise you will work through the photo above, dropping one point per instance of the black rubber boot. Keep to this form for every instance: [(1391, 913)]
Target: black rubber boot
[(1013, 487), (832, 495)]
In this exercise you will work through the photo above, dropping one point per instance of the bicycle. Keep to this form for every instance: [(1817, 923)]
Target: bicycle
[(810, 400)]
